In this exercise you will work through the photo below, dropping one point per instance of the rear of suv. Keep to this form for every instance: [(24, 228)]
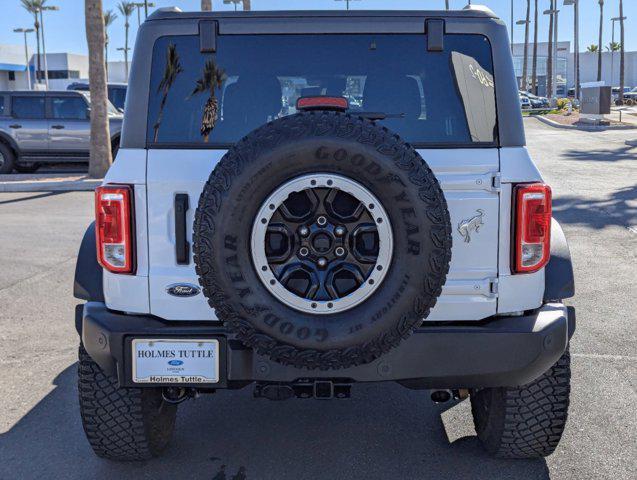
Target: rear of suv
[(47, 127), (305, 201)]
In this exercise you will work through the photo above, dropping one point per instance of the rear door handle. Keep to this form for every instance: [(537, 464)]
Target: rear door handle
[(57, 127), (182, 247), (15, 126)]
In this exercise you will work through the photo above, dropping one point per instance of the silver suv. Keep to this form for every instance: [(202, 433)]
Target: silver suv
[(46, 127)]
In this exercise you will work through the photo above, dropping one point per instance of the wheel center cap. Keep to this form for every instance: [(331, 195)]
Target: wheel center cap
[(322, 243)]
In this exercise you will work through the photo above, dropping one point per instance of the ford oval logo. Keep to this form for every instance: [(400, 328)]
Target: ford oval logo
[(175, 363), (183, 290)]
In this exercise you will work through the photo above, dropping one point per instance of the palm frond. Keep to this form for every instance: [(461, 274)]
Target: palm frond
[(212, 76), (109, 18), (171, 69), (33, 6), (126, 8)]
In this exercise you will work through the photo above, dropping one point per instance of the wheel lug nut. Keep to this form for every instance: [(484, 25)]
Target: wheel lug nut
[(339, 231), (340, 251), (322, 262), (304, 231), (322, 221), (303, 251)]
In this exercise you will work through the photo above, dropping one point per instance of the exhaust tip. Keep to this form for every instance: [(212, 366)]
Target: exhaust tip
[(441, 396)]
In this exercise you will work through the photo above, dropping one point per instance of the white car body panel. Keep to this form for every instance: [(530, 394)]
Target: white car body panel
[(479, 283)]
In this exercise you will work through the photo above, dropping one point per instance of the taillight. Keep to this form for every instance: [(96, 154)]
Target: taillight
[(532, 227), (113, 228)]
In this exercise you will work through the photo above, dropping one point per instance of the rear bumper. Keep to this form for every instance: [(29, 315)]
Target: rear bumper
[(504, 351)]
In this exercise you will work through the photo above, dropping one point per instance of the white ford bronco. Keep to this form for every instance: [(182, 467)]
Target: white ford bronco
[(305, 201)]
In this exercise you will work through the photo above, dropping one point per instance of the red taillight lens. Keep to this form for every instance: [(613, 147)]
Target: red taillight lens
[(322, 103), (113, 229), (532, 227)]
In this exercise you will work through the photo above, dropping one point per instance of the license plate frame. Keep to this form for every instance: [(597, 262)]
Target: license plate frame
[(202, 369)]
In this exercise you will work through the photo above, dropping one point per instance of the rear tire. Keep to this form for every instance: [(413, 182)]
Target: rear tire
[(7, 159), (122, 423), (526, 421)]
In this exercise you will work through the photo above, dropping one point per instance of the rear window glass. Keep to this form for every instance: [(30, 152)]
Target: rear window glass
[(429, 98), (28, 107)]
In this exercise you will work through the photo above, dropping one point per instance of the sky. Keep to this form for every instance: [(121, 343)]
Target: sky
[(64, 29)]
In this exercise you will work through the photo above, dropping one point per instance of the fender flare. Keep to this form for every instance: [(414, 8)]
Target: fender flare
[(88, 283), (4, 138), (559, 281)]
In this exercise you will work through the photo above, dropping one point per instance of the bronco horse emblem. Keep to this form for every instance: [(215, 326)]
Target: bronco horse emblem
[(472, 224)]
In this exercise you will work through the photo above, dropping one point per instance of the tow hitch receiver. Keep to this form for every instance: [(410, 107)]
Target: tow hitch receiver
[(321, 389)]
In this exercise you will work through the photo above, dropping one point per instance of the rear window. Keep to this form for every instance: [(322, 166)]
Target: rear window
[(429, 98)]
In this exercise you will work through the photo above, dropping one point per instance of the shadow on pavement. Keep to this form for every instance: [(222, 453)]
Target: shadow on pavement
[(619, 209), (30, 196), (605, 155), (383, 432)]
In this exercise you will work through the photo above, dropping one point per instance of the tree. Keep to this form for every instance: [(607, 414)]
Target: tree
[(446, 4), (601, 31), (171, 70), (206, 5), (613, 47), (211, 79), (534, 68), (126, 9), (247, 5), (109, 18), (591, 48), (33, 7), (549, 61), (524, 84), (100, 155), (622, 65)]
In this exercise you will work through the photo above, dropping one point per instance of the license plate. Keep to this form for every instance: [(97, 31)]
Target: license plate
[(175, 361)]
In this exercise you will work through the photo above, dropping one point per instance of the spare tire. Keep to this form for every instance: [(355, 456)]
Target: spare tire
[(322, 240)]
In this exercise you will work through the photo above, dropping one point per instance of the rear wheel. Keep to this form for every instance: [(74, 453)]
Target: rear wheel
[(7, 159), (526, 421), (122, 423)]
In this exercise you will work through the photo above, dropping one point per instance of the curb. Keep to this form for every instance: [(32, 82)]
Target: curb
[(591, 128), (43, 186)]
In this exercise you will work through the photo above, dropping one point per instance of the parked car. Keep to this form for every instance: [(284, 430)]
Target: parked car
[(630, 98), (536, 102), (615, 92), (525, 103), (116, 92), (303, 252), (47, 127)]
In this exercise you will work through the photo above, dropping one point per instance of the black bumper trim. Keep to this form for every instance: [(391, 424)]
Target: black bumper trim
[(505, 351)]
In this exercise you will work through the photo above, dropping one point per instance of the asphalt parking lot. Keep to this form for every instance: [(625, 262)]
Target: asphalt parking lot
[(383, 431)]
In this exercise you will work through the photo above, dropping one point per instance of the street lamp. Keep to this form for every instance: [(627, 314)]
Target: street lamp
[(26, 51), (139, 5), (51, 8), (555, 13), (236, 2), (575, 4), (612, 49), (523, 82), (346, 3)]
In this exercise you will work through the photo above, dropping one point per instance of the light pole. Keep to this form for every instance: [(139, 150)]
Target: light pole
[(346, 3), (139, 5), (26, 51), (575, 4), (511, 26), (612, 49), (554, 13), (236, 2), (46, 69)]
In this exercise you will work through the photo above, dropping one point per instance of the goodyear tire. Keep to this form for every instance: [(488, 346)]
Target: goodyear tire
[(357, 264)]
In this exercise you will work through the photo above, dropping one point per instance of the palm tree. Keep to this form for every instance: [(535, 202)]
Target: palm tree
[(446, 4), (247, 5), (613, 47), (33, 7), (534, 68), (171, 70), (100, 155), (549, 61), (524, 83), (212, 78), (621, 55), (109, 18), (206, 5), (601, 31), (591, 48), (126, 9)]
